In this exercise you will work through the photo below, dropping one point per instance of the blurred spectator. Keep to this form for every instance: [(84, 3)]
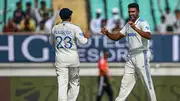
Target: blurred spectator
[(103, 23), (170, 18), (162, 27), (31, 11), (10, 26), (117, 27), (177, 23), (104, 78), (42, 28), (27, 24), (112, 21), (49, 21), (18, 13), (43, 9), (95, 24)]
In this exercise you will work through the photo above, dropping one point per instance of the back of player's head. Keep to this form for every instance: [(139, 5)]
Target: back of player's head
[(134, 5), (65, 13)]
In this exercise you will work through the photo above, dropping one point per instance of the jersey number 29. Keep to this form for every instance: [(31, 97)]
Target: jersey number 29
[(66, 40)]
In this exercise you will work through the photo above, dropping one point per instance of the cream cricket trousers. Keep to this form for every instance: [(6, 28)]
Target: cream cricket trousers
[(137, 65), (68, 83)]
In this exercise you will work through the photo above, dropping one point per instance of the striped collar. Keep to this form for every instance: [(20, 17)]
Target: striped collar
[(137, 20)]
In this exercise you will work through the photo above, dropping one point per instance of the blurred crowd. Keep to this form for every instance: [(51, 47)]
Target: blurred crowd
[(41, 19), (35, 19), (170, 22), (114, 24)]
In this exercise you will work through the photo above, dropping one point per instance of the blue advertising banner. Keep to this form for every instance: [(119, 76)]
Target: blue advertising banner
[(25, 48), (164, 48), (36, 48), (92, 51)]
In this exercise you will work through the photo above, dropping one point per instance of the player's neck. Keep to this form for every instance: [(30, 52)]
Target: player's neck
[(136, 19), (67, 20)]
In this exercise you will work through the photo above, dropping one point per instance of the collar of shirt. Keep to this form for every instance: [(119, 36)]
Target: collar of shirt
[(65, 22), (137, 20)]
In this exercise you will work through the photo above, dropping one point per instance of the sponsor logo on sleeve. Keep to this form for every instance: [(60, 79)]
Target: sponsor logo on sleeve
[(81, 34), (147, 27)]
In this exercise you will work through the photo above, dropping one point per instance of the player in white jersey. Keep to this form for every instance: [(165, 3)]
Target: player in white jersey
[(64, 37), (138, 34)]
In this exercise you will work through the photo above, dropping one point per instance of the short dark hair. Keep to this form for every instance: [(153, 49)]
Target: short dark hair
[(65, 13), (133, 5)]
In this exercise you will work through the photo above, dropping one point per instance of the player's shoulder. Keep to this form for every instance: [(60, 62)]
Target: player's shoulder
[(54, 27), (74, 26), (141, 20)]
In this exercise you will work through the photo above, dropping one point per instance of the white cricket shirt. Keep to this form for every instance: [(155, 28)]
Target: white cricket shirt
[(135, 41), (63, 37)]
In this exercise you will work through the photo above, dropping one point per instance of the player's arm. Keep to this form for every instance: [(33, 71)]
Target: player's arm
[(145, 29), (111, 36), (82, 38)]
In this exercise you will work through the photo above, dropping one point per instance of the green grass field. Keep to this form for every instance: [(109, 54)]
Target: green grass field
[(45, 89)]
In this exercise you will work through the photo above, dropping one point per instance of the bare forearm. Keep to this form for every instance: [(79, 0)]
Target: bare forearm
[(146, 35), (115, 37)]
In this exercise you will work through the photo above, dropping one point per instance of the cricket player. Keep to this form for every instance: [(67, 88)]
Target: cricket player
[(138, 34), (63, 37)]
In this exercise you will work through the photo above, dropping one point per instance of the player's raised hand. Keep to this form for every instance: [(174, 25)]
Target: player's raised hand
[(87, 34), (104, 31), (131, 23)]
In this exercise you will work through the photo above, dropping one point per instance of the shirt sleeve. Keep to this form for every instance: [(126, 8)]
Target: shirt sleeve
[(124, 30), (145, 26), (80, 36)]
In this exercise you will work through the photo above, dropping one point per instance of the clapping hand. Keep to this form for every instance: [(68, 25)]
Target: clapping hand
[(104, 31), (87, 34)]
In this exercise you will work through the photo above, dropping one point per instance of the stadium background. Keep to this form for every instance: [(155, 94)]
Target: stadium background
[(26, 61)]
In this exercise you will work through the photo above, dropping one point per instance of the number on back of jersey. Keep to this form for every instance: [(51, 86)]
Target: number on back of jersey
[(66, 40)]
